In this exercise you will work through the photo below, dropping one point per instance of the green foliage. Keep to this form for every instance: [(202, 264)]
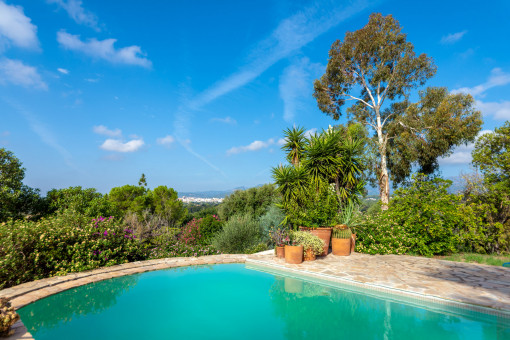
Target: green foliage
[(376, 68), (308, 241), (492, 260), (423, 219), (294, 144), (53, 246), (86, 202), (240, 233), (256, 249), (164, 202), (273, 218), (492, 156), (16, 199), (209, 227), (129, 198), (253, 201)]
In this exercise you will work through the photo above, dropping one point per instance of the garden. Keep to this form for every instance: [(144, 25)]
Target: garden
[(315, 201)]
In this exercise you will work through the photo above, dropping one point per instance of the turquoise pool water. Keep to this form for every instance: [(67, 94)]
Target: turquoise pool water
[(230, 301)]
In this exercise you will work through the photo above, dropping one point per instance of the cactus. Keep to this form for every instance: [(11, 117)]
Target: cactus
[(342, 231)]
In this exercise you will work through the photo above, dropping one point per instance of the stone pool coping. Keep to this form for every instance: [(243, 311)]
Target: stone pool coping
[(471, 286)]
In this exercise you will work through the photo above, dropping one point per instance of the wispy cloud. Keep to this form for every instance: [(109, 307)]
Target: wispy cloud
[(296, 84), (16, 28), (104, 49), (452, 38), (498, 110), (117, 145), (226, 120), (17, 73), (63, 70), (290, 35), (497, 78), (253, 146), (43, 131), (166, 141), (76, 11), (103, 130)]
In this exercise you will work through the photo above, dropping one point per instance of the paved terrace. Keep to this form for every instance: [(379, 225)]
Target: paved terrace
[(430, 279)]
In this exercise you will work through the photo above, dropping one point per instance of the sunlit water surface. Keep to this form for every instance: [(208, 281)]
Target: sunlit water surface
[(230, 301)]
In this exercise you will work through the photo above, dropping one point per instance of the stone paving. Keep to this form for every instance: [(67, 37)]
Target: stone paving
[(472, 284)]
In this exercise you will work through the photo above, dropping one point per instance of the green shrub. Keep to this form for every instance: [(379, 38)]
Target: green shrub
[(209, 226), (87, 202), (254, 201), (256, 249), (308, 241), (240, 233), (422, 219), (273, 218), (56, 246)]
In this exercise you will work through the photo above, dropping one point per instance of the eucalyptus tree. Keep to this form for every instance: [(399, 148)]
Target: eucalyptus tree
[(294, 144), (376, 68)]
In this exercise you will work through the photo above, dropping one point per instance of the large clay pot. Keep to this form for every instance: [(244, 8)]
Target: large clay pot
[(294, 254), (353, 243), (341, 246), (325, 235), (280, 252), (309, 255)]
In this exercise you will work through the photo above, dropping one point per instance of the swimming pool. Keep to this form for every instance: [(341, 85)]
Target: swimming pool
[(230, 301)]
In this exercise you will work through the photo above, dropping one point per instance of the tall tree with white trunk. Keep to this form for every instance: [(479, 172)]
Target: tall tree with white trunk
[(376, 68)]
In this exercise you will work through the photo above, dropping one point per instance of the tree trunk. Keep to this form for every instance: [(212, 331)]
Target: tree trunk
[(384, 181)]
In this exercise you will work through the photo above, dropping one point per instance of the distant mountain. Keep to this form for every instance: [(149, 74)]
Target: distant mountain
[(210, 193)]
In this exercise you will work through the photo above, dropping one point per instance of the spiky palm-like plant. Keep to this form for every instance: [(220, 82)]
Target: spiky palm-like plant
[(294, 144)]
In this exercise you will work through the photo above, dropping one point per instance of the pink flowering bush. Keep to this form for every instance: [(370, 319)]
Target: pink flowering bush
[(201, 231), (56, 246)]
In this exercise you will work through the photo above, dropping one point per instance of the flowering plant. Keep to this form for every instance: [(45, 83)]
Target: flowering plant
[(279, 236)]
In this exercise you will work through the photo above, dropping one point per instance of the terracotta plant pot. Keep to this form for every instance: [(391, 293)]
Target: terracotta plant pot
[(341, 246), (309, 255), (280, 252), (353, 243), (323, 233), (294, 254)]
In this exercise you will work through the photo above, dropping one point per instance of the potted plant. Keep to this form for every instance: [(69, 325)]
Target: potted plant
[(319, 212), (293, 251), (279, 237), (8, 317), (343, 239), (312, 244)]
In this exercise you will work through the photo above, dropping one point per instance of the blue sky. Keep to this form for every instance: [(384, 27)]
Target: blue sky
[(195, 94)]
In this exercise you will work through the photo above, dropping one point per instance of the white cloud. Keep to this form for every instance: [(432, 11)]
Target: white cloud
[(296, 84), (288, 37), (104, 49), (63, 70), (118, 146), (166, 141), (17, 73), (79, 14), (281, 141), (92, 80), (497, 78), (253, 146), (462, 153), (226, 120), (498, 110), (16, 28), (103, 130), (452, 38)]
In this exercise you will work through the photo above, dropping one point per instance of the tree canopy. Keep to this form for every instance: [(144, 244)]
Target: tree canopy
[(376, 68)]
